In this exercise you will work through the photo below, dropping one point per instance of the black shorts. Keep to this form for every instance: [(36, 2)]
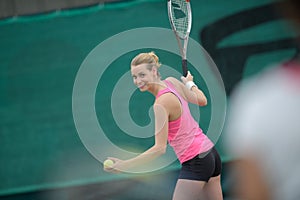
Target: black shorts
[(202, 168)]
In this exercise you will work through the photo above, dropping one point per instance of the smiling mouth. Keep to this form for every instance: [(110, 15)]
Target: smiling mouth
[(141, 86)]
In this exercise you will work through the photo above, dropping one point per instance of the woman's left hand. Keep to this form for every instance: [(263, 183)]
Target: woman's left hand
[(118, 166)]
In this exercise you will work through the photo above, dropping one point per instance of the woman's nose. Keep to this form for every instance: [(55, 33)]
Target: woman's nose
[(137, 80)]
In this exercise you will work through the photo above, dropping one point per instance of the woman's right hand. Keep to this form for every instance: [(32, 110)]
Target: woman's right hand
[(189, 77)]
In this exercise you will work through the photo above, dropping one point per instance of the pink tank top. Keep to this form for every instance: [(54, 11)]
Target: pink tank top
[(185, 135)]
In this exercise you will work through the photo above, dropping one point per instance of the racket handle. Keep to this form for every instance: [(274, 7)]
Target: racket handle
[(184, 67)]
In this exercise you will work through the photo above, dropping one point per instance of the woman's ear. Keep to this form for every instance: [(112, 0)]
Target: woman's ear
[(154, 71)]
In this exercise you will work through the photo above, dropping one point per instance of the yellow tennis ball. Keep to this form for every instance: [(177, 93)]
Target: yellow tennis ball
[(108, 163)]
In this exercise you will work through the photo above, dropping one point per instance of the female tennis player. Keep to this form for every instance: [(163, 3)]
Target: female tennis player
[(200, 175)]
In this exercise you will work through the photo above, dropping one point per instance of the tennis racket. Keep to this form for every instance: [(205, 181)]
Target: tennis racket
[(180, 17)]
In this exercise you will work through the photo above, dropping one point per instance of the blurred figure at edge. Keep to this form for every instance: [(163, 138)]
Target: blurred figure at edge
[(263, 129)]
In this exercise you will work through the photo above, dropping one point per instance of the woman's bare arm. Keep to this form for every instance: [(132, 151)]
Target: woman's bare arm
[(195, 95)]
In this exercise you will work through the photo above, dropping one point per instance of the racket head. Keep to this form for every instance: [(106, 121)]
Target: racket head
[(180, 17)]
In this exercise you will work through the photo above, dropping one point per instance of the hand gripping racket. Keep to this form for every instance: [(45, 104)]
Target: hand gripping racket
[(180, 17)]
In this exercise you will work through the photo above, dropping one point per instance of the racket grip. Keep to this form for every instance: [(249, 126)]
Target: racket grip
[(184, 67)]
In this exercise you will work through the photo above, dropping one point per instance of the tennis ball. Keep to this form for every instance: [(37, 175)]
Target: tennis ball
[(108, 163)]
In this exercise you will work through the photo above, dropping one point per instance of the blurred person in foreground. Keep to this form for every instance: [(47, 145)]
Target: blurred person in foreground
[(263, 129)]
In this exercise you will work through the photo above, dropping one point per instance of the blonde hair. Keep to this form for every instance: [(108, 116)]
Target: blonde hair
[(146, 58)]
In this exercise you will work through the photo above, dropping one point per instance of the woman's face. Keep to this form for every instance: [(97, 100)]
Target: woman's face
[(143, 78)]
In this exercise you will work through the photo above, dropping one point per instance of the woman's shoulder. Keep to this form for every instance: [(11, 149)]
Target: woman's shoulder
[(175, 82), (171, 79), (178, 85), (167, 100)]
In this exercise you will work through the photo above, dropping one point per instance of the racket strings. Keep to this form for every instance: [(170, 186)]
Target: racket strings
[(180, 17)]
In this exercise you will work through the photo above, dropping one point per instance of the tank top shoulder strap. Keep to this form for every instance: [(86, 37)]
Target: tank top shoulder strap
[(166, 90), (172, 89)]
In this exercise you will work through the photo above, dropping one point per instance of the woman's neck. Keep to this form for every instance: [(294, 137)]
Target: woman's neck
[(157, 86)]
